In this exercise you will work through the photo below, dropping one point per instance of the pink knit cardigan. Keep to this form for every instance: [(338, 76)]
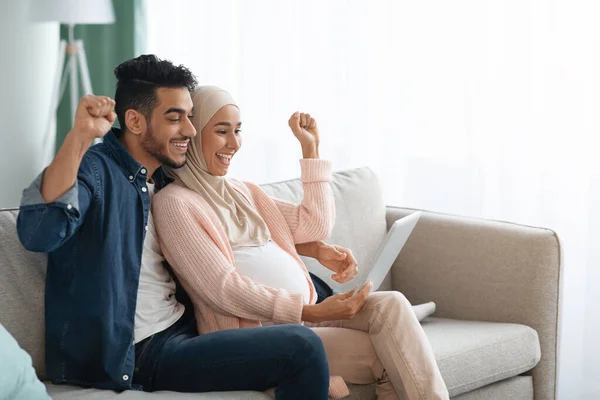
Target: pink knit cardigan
[(194, 243)]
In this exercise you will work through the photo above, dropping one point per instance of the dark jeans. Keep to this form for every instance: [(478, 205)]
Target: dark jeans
[(288, 357), (323, 289)]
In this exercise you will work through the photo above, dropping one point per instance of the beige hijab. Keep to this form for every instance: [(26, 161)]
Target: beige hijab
[(243, 225)]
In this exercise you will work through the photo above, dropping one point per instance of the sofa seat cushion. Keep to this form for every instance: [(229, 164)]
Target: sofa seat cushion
[(66, 392), (473, 354)]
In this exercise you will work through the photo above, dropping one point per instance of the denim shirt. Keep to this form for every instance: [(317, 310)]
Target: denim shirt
[(94, 235)]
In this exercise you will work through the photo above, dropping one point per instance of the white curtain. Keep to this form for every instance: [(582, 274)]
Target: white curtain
[(484, 108)]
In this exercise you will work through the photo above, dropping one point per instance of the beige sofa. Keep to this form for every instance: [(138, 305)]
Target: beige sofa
[(495, 285)]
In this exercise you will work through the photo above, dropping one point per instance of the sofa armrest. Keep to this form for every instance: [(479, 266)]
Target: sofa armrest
[(485, 270)]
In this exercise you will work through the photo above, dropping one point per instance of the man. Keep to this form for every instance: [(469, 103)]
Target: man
[(110, 304)]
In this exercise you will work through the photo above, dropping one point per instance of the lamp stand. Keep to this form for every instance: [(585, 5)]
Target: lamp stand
[(76, 60)]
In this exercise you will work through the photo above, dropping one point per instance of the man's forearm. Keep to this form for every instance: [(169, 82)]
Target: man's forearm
[(309, 249), (61, 174)]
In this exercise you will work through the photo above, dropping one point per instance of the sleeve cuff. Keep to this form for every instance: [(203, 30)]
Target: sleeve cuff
[(315, 170), (33, 195), (288, 308)]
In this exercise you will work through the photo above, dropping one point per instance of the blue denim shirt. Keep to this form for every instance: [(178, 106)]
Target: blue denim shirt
[(94, 235)]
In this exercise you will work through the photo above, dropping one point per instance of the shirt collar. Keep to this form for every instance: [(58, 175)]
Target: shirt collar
[(129, 166)]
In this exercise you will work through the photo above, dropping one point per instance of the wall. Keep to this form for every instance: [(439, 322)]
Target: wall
[(28, 57)]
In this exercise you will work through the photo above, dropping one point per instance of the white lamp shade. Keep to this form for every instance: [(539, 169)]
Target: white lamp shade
[(72, 12)]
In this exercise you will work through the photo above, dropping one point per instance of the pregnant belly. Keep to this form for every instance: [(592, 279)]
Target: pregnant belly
[(271, 266)]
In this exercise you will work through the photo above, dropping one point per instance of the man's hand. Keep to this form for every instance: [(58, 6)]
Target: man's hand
[(340, 306), (305, 129), (94, 117), (339, 260)]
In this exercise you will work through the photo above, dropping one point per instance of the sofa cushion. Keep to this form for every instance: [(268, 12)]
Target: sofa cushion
[(360, 223), (473, 354), (65, 392), (22, 291), (515, 388)]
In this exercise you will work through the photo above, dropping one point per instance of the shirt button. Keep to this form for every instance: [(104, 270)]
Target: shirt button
[(130, 177), (69, 206), (143, 171), (144, 189), (125, 377), (146, 228)]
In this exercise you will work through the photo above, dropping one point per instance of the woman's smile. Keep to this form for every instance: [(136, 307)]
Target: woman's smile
[(224, 158)]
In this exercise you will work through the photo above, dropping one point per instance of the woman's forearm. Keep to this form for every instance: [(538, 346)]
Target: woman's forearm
[(310, 249), (310, 151), (311, 220)]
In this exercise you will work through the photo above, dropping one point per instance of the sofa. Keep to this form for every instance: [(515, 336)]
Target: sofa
[(495, 284)]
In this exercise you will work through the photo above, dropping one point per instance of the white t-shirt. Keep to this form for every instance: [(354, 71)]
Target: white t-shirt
[(156, 309), (271, 266)]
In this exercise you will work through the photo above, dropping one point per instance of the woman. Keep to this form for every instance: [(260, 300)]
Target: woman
[(233, 250)]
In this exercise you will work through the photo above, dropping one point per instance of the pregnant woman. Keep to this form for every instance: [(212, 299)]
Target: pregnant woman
[(235, 250)]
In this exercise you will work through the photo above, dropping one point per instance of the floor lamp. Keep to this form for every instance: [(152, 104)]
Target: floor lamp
[(74, 67)]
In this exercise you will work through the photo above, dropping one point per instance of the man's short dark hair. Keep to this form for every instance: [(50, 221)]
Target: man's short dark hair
[(138, 79)]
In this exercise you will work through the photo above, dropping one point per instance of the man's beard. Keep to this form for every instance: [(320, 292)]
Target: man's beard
[(152, 146)]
